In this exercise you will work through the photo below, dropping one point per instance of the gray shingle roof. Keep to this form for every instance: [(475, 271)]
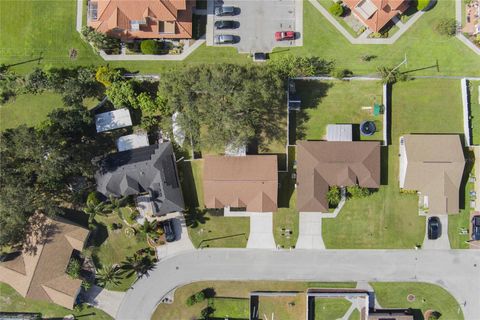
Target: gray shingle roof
[(149, 169)]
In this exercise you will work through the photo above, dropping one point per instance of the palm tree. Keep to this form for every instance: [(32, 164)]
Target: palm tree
[(108, 275), (137, 264), (92, 209), (117, 203), (150, 229)]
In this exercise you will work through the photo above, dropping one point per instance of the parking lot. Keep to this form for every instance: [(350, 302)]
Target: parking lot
[(257, 22)]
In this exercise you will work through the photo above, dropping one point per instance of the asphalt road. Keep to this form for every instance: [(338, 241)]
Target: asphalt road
[(458, 271)]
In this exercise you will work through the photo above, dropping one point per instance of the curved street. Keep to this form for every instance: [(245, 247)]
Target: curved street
[(458, 271)]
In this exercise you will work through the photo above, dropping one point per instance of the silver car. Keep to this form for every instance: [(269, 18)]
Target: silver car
[(224, 39)]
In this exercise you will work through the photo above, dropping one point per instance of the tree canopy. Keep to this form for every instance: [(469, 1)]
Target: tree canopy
[(41, 166), (226, 104)]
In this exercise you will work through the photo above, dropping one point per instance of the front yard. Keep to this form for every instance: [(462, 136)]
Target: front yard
[(11, 301), (208, 228), (418, 106)]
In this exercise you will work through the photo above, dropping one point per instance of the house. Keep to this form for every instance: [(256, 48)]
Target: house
[(433, 165), (375, 14), (38, 271), (321, 164), (111, 120), (142, 19), (248, 182), (149, 172)]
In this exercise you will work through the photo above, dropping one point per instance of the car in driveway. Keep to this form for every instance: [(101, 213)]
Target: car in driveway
[(476, 228), (169, 230), (284, 35), (225, 24), (225, 11), (224, 39), (434, 228)]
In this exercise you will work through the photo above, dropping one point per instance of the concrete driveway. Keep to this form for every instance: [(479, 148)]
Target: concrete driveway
[(261, 231), (182, 243), (106, 300), (258, 20), (458, 271), (443, 241), (310, 231)]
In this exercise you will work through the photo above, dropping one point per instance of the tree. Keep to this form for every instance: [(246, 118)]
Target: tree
[(289, 66), (101, 41), (356, 191), (234, 103), (73, 268), (333, 196), (446, 26), (36, 81), (9, 85), (106, 75), (117, 203), (422, 4), (336, 9), (122, 94), (391, 75), (109, 275), (137, 264), (149, 47), (93, 209), (147, 104)]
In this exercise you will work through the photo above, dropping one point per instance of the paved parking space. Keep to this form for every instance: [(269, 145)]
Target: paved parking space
[(443, 241), (258, 21), (310, 231), (261, 231), (182, 242)]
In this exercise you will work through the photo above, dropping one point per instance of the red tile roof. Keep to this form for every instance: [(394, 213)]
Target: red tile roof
[(115, 18), (377, 13)]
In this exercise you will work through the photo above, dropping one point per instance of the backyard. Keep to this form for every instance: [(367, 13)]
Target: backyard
[(208, 228), (331, 308), (474, 88), (233, 295), (334, 102), (11, 301), (289, 307), (376, 221)]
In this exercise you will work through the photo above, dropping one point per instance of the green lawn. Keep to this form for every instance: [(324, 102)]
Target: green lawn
[(355, 315), (207, 228), (327, 4), (460, 221), (421, 44), (234, 308), (376, 221), (11, 301), (282, 307), (475, 111), (331, 102), (427, 297), (231, 289), (286, 218), (28, 109), (115, 248), (330, 308)]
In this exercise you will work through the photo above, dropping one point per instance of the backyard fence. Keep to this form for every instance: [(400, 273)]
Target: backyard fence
[(466, 112), (386, 96)]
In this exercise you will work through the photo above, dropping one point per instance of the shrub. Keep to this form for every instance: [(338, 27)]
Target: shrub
[(92, 198), (200, 296), (422, 4), (333, 196), (358, 192), (342, 73), (106, 75), (149, 47), (73, 268), (336, 9), (205, 314), (191, 300), (446, 26)]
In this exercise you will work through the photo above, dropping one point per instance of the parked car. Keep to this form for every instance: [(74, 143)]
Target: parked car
[(476, 228), (284, 35), (224, 39), (225, 11), (433, 228), (225, 24), (169, 230)]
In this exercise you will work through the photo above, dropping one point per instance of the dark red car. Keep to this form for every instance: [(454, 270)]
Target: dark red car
[(284, 35)]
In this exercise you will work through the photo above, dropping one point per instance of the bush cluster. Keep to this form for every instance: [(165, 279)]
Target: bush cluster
[(196, 298), (149, 47), (336, 9), (446, 26)]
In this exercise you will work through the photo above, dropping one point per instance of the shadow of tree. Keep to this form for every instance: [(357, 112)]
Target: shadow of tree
[(195, 217)]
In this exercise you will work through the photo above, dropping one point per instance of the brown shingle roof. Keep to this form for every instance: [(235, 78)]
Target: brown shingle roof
[(324, 163), (39, 271), (385, 11), (118, 14), (435, 165), (247, 181)]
